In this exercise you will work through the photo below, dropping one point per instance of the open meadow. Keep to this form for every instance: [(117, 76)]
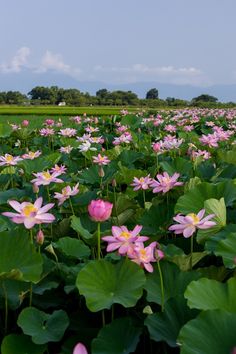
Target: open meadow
[(117, 230)]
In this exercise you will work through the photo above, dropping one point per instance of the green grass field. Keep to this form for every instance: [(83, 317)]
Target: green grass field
[(61, 111)]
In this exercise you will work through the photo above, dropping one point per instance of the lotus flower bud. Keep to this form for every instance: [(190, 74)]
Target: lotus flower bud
[(40, 238), (80, 349), (101, 172), (25, 123), (35, 188), (100, 210)]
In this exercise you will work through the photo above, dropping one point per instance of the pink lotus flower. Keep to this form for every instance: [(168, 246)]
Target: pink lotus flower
[(80, 349), (30, 214), (157, 147), (210, 140), (100, 210), (31, 155), (66, 149), (144, 255), (142, 183), (46, 132), (66, 193), (190, 223), (58, 169), (45, 178), (165, 182), (9, 160), (49, 122), (68, 132), (123, 239), (25, 123), (101, 160)]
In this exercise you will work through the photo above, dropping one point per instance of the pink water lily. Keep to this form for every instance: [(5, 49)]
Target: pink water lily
[(190, 223), (101, 160), (45, 178), (30, 155), (144, 255), (66, 193), (123, 240), (30, 214), (142, 183), (9, 160), (165, 182)]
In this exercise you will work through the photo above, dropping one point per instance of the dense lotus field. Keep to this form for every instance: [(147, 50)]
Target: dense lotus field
[(118, 234)]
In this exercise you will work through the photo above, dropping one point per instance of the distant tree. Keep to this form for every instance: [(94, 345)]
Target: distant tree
[(152, 94), (176, 102), (204, 98), (15, 97), (102, 93)]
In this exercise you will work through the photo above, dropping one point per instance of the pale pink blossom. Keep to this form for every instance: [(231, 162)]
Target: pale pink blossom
[(142, 183), (30, 214), (66, 149), (90, 129), (101, 160), (66, 193), (9, 160), (30, 155), (96, 140), (188, 224), (165, 182), (210, 140), (144, 255), (60, 170), (45, 178), (47, 132), (68, 132), (123, 240)]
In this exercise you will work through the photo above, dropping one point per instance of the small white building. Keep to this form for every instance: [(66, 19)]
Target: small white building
[(62, 104)]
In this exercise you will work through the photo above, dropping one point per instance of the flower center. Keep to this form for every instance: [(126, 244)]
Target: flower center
[(29, 209), (143, 254), (125, 234), (46, 175), (64, 191), (141, 180), (195, 218), (32, 154), (9, 158)]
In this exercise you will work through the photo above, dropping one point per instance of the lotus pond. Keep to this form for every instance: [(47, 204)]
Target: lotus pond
[(118, 234)]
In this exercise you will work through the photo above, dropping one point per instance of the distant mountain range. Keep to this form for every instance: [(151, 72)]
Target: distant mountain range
[(25, 80)]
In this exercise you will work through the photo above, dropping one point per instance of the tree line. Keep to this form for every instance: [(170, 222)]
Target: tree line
[(53, 95)]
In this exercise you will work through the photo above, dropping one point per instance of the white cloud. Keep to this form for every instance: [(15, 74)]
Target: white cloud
[(141, 68), (51, 61), (170, 74), (17, 62)]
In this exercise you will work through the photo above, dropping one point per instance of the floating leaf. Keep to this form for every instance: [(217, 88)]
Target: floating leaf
[(108, 342), (103, 284), (165, 326), (193, 201), (208, 294), (73, 247), (77, 226), (175, 282), (20, 344), (42, 327), (18, 258), (212, 332)]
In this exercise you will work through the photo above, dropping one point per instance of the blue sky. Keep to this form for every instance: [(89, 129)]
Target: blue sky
[(168, 41)]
